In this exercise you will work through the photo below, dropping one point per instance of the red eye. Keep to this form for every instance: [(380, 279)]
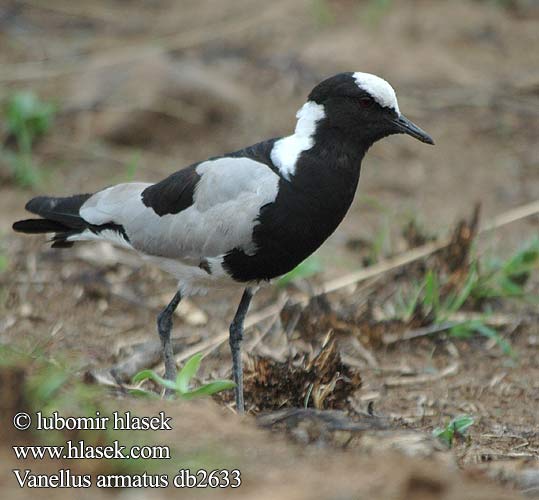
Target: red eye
[(365, 102)]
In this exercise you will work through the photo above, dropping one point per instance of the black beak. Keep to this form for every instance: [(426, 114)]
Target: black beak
[(405, 126)]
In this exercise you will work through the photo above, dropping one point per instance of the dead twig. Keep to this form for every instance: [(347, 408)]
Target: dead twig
[(494, 320), (422, 379)]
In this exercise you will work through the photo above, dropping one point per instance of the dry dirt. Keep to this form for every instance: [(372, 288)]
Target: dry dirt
[(159, 84)]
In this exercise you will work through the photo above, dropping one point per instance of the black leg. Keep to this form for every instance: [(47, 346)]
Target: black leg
[(164, 325), (235, 338)]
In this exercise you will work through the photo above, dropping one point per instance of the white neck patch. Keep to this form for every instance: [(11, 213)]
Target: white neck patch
[(379, 90), (307, 116), (286, 151)]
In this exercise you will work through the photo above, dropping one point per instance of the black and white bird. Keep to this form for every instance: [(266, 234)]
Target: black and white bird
[(245, 217)]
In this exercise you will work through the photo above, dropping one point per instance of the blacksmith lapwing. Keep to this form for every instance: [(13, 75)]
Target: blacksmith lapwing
[(245, 217)]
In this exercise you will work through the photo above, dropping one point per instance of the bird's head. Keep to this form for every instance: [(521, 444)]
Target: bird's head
[(362, 106)]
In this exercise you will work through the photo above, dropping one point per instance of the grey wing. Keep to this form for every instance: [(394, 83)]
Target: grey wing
[(210, 216)]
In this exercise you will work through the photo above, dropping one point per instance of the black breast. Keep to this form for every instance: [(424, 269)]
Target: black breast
[(305, 213)]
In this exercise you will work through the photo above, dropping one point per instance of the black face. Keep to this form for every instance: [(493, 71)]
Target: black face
[(356, 113)]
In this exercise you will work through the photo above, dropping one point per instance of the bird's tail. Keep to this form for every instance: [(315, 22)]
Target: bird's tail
[(59, 216)]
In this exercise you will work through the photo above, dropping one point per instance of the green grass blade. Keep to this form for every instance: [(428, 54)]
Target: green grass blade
[(431, 299), (188, 371), (463, 294), (151, 375), (411, 306), (490, 333), (209, 389), (462, 423), (458, 426), (445, 435), (143, 394)]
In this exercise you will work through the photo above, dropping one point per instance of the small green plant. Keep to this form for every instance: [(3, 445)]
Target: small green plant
[(130, 170), (456, 427), (406, 304), (322, 13), (26, 118), (426, 298), (374, 11), (132, 167), (454, 300), (381, 244), (309, 267), (49, 385), (507, 278), (467, 329), (181, 385), (3, 258)]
